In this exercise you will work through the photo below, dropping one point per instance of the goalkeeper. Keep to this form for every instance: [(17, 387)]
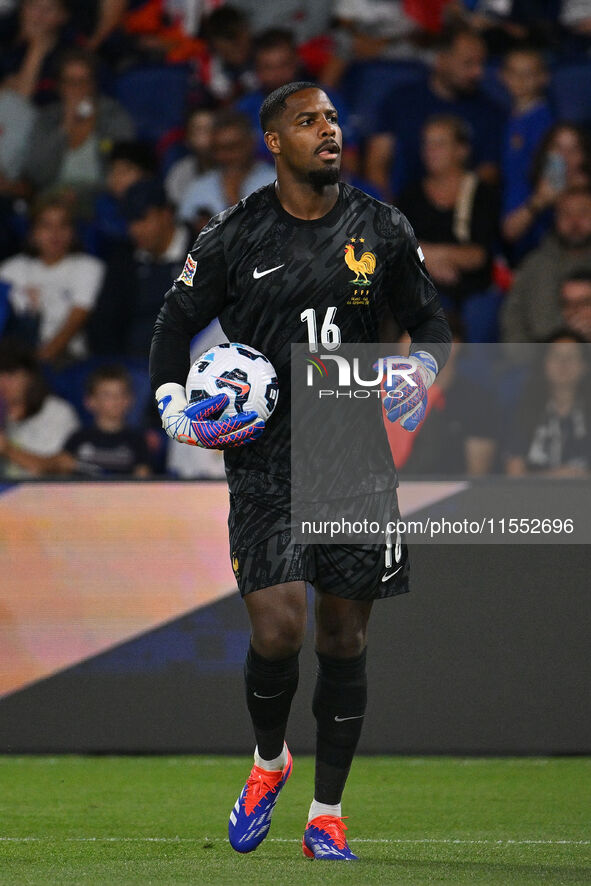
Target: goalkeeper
[(282, 266)]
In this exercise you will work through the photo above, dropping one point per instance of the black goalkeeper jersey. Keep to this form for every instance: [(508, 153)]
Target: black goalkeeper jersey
[(258, 268)]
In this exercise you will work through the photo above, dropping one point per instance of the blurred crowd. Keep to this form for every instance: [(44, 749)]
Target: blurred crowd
[(126, 124)]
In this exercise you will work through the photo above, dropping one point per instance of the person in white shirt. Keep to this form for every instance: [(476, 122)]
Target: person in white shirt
[(34, 421), (56, 287)]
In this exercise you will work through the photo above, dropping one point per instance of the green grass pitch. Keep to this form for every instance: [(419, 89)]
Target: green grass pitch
[(412, 820)]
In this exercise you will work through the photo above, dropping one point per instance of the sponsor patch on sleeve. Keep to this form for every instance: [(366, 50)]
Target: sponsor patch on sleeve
[(188, 272), (420, 253)]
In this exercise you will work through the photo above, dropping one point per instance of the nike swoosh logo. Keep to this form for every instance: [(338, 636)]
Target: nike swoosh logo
[(258, 274), (242, 389), (389, 575), (342, 719), (268, 696)]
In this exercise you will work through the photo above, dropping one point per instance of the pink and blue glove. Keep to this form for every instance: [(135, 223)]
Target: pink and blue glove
[(406, 392), (200, 424)]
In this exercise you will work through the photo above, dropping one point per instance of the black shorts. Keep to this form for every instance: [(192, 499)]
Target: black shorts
[(352, 571)]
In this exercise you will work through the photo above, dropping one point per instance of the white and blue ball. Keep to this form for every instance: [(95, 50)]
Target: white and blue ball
[(241, 372)]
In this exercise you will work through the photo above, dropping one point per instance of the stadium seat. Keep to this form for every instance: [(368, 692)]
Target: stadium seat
[(570, 92), (155, 97)]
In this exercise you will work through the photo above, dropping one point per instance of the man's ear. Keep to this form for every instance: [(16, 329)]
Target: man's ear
[(272, 141)]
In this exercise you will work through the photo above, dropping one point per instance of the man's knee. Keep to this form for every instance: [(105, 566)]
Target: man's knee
[(344, 643), (341, 626), (278, 639), (278, 620)]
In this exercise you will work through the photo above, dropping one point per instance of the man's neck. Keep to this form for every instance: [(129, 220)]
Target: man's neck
[(303, 201)]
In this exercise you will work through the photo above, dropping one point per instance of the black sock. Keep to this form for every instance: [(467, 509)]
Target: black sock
[(270, 688), (339, 705)]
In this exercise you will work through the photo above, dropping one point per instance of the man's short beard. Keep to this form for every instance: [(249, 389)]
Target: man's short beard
[(320, 178)]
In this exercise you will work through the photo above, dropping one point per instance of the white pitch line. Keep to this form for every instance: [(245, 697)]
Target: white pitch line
[(451, 842)]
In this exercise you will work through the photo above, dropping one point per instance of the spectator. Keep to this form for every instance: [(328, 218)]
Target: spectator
[(525, 76), (30, 64), (54, 289), (459, 433), (562, 161), (198, 161), (453, 87), (277, 62), (454, 216), (531, 311), (127, 163), (108, 447), (228, 71), (236, 175), (575, 302), (551, 435), (71, 139), (35, 422), (139, 272)]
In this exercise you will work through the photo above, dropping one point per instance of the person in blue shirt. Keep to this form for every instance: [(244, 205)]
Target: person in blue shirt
[(453, 87), (525, 76)]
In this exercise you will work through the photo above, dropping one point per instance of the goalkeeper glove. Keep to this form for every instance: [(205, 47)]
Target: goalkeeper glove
[(200, 425), (404, 400)]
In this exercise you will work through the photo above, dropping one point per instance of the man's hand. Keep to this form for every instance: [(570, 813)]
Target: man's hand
[(200, 425), (406, 388)]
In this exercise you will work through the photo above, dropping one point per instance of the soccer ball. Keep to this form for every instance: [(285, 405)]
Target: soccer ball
[(239, 371)]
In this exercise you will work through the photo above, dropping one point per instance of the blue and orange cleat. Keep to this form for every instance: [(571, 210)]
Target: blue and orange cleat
[(250, 818), (324, 839)]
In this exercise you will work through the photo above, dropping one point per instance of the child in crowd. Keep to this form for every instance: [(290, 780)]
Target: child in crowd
[(525, 76), (108, 447), (128, 162)]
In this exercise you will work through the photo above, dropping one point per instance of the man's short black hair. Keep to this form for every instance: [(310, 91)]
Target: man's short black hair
[(276, 102)]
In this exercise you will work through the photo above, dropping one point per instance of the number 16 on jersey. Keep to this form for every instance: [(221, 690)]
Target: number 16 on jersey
[(330, 334)]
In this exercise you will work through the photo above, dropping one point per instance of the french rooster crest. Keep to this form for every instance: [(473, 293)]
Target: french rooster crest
[(363, 266)]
